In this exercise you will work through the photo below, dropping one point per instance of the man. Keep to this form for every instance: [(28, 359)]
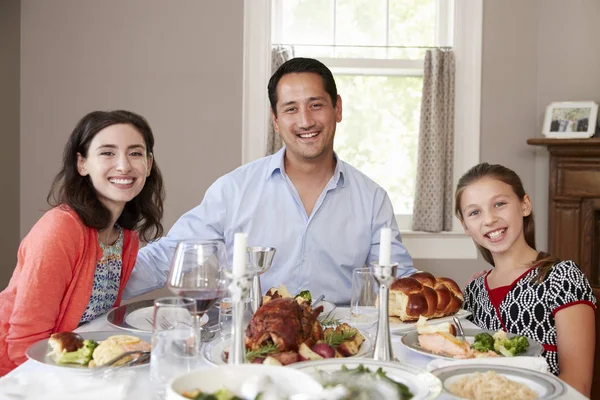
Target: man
[(322, 215)]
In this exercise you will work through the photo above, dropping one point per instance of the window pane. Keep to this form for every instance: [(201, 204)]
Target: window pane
[(379, 131), (361, 22), (304, 21), (412, 22)]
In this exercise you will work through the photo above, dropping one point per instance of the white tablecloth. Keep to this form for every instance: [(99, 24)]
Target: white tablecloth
[(141, 388)]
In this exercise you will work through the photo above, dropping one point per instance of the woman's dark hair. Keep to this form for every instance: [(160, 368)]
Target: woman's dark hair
[(298, 65), (143, 213), (544, 261)]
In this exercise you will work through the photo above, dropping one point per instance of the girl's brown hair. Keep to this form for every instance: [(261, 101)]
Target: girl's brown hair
[(544, 261), (143, 213)]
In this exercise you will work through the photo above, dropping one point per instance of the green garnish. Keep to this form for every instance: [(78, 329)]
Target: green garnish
[(403, 390), (335, 338), (261, 352), (330, 322)]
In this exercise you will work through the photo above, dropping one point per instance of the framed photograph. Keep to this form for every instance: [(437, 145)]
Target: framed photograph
[(570, 120)]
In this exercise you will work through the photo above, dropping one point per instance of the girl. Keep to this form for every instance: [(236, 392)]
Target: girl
[(74, 263), (527, 292)]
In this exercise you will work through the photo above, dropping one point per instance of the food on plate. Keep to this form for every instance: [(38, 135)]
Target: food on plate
[(113, 346), (71, 348), (284, 331), (282, 293), (490, 386), (439, 339), (422, 294)]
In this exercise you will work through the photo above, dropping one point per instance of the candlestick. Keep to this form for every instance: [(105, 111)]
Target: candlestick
[(385, 246), (384, 275), (240, 244)]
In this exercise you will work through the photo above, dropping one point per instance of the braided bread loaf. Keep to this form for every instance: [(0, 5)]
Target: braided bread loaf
[(423, 294)]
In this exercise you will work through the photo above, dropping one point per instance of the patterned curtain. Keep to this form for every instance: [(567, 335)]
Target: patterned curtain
[(279, 55), (432, 210)]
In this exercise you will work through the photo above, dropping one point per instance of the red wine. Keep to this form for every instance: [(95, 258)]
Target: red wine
[(205, 298)]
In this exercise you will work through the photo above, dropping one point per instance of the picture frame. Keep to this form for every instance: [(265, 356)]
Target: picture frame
[(570, 120)]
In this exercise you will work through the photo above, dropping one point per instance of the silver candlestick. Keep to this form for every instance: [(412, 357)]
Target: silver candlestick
[(384, 275), (238, 289), (259, 262)]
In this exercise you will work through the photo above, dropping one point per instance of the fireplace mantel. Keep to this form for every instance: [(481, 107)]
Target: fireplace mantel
[(574, 213)]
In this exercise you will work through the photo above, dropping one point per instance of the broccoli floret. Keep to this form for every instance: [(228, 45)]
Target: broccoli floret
[(483, 342), (81, 356), (511, 347), (304, 296)]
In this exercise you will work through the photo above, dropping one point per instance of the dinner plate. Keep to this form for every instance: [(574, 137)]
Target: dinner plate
[(213, 352), (38, 352), (136, 317), (401, 327), (546, 386), (411, 340), (423, 385)]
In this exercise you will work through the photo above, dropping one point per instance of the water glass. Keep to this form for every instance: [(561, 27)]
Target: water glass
[(226, 316), (175, 341), (363, 303)]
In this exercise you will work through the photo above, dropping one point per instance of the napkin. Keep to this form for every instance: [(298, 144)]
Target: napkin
[(533, 363), (64, 386)]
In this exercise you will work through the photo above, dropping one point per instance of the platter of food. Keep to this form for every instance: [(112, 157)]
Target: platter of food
[(137, 317), (284, 331), (246, 381), (479, 381), (478, 343), (423, 295), (83, 352), (408, 382)]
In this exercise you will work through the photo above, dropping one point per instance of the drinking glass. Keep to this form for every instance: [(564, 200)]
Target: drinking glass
[(363, 302), (198, 272), (175, 341)]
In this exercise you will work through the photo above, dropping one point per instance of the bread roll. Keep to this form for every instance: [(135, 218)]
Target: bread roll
[(422, 294)]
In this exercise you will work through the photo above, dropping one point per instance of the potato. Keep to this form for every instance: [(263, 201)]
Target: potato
[(271, 361), (306, 353), (323, 349)]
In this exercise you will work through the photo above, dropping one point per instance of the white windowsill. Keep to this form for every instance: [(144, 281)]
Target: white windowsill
[(443, 245)]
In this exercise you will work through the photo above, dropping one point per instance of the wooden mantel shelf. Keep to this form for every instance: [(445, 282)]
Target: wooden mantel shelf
[(563, 142)]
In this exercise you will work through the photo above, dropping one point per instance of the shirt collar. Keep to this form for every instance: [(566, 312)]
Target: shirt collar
[(276, 165)]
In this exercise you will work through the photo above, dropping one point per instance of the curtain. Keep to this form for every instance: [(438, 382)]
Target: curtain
[(279, 55), (432, 210)]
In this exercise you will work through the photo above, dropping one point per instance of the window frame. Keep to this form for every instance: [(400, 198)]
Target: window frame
[(468, 34)]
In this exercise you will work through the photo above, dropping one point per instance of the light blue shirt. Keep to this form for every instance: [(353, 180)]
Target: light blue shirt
[(316, 252)]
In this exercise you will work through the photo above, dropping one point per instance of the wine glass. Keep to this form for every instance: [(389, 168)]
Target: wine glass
[(198, 272)]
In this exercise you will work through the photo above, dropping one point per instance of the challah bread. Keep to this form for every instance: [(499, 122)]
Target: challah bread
[(423, 294)]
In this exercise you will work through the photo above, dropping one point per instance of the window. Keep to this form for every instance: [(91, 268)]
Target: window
[(375, 49)]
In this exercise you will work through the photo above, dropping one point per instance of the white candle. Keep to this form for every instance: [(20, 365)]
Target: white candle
[(240, 248), (385, 246)]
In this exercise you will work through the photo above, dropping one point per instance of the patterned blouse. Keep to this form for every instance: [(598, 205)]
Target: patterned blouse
[(529, 308), (106, 280)]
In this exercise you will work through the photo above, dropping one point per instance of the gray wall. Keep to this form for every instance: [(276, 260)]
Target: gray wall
[(166, 63), (10, 40)]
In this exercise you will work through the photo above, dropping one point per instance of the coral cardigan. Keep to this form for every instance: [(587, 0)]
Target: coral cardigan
[(52, 282)]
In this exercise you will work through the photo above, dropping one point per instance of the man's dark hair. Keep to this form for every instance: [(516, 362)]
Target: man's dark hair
[(298, 65), (142, 213)]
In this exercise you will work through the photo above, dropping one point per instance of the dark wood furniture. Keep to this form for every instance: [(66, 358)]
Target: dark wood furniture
[(574, 213)]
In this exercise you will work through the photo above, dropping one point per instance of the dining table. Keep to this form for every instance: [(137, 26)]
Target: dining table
[(140, 387)]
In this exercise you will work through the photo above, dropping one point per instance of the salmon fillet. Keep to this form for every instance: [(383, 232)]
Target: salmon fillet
[(444, 343)]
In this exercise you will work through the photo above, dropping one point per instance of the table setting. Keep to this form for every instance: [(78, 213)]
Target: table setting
[(201, 339)]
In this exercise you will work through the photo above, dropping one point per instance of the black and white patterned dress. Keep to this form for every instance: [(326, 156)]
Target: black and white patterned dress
[(528, 308)]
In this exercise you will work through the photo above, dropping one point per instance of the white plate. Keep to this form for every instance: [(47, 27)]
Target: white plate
[(546, 386), (38, 352), (422, 384), (213, 351), (134, 317), (411, 340), (289, 381), (397, 327)]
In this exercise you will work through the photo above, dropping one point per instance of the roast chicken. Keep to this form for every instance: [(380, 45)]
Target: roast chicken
[(286, 324)]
